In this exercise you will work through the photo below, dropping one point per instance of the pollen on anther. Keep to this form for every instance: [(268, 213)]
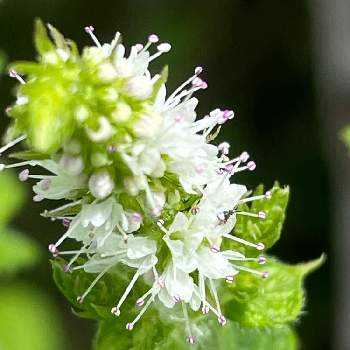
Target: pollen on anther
[(251, 166), (129, 326), (198, 70), (164, 47), (191, 339), (262, 215), (153, 38), (260, 246), (140, 302), (89, 29), (115, 311), (265, 274), (261, 260)]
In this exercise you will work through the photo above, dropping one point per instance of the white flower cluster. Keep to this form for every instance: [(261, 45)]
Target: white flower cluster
[(170, 140)]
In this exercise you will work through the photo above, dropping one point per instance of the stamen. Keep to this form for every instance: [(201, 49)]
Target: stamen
[(123, 233), (197, 71), (190, 337), (80, 299), (116, 310), (267, 195), (14, 74), (162, 48), (12, 143), (260, 215), (63, 207), (215, 295), (258, 246), (90, 30), (130, 325), (263, 274)]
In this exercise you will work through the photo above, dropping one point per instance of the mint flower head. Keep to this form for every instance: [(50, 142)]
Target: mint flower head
[(144, 185)]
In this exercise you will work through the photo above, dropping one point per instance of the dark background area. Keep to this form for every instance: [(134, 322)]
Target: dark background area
[(258, 60)]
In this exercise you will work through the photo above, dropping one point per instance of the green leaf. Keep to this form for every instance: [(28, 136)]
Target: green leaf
[(16, 252), (11, 197), (345, 135), (42, 41), (28, 320), (267, 231), (238, 338), (256, 302)]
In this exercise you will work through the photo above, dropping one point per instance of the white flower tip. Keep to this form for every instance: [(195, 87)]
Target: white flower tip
[(262, 215), (153, 38), (251, 166), (89, 29), (268, 195), (198, 70), (191, 339), (265, 274), (23, 175), (222, 320), (129, 326), (260, 246), (2, 166), (115, 311), (261, 260), (164, 47)]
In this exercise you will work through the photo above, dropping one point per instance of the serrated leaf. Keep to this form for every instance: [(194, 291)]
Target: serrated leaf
[(267, 231), (273, 301), (16, 252)]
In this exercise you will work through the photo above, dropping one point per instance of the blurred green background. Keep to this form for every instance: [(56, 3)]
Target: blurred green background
[(259, 59)]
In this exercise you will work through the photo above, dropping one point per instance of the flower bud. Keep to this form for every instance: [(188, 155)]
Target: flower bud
[(101, 184)]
